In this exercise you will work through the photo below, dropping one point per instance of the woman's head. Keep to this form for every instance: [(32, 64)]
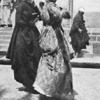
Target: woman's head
[(81, 10)]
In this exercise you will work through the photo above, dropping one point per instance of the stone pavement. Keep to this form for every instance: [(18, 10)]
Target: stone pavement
[(9, 87), (85, 80), (86, 83)]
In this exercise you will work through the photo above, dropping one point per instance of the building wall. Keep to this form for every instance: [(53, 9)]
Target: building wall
[(5, 12)]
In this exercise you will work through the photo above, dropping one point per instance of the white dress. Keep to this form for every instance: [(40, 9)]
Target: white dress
[(54, 77)]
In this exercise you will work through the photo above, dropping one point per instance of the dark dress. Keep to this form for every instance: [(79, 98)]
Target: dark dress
[(24, 50), (79, 40)]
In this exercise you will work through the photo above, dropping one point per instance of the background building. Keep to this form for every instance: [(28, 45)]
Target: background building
[(5, 12), (92, 15)]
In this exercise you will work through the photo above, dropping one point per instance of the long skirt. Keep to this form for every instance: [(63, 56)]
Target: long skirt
[(53, 78), (25, 53), (79, 41)]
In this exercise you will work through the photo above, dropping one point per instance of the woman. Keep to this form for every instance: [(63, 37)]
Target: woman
[(54, 75), (78, 33), (24, 50)]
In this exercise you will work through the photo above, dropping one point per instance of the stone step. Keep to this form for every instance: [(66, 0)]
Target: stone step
[(6, 28), (5, 32), (4, 44), (8, 37), (5, 37), (5, 41), (4, 47), (5, 61)]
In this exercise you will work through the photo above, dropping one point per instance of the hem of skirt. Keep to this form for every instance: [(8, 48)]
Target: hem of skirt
[(38, 88)]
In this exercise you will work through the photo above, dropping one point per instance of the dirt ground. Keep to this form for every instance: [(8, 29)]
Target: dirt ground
[(86, 85)]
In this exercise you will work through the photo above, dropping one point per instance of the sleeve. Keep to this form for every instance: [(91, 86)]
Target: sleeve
[(76, 25), (45, 15), (77, 22), (34, 20), (35, 16), (83, 27)]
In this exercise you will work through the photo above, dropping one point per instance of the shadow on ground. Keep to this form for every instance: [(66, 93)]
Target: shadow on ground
[(26, 97), (2, 92)]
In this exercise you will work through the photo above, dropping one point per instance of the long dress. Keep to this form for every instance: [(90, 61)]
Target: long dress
[(24, 50), (79, 40), (54, 74)]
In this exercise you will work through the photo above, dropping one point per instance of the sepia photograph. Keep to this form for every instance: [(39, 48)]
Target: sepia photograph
[(49, 49)]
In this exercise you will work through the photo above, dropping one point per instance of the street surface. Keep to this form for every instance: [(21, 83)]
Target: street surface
[(86, 85)]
